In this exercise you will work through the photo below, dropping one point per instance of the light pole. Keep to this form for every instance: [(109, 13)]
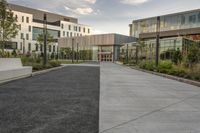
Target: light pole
[(72, 50), (23, 46), (157, 41), (45, 40), (126, 53), (77, 54)]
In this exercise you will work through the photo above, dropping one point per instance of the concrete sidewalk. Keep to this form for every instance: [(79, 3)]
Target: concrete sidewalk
[(136, 102)]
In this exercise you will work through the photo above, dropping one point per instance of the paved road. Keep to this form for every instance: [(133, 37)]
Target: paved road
[(62, 101), (135, 102)]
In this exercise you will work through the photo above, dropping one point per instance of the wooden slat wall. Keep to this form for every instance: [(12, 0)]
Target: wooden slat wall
[(96, 40)]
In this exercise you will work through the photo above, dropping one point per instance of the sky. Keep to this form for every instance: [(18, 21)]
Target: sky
[(110, 16)]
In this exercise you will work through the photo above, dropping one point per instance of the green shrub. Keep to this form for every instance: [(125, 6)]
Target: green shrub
[(150, 65), (172, 71), (181, 73), (54, 63), (165, 65), (142, 65), (37, 66)]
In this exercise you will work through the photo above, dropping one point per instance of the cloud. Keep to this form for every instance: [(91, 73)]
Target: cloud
[(81, 7), (91, 1), (133, 2), (84, 11), (81, 11)]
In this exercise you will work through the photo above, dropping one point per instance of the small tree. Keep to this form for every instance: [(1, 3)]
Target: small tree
[(193, 54), (177, 57), (40, 39), (8, 26), (65, 52)]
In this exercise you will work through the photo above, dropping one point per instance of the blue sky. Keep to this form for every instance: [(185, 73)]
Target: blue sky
[(110, 16)]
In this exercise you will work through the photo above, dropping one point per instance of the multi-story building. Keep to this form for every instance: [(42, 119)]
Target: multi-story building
[(31, 25), (175, 31)]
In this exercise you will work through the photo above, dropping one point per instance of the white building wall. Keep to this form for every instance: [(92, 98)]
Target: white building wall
[(26, 24)]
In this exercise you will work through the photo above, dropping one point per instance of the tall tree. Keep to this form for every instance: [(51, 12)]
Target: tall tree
[(8, 26)]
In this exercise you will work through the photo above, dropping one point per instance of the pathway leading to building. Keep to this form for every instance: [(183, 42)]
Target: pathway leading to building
[(61, 101), (136, 102)]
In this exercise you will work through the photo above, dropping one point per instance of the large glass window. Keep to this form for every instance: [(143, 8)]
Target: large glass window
[(22, 36), (182, 19), (27, 36), (199, 17), (192, 18), (38, 31), (29, 47), (27, 19)]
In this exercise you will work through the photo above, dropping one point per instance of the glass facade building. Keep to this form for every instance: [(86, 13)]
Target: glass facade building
[(176, 32), (186, 20)]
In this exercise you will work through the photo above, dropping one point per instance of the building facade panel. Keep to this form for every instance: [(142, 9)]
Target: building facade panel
[(30, 23), (104, 47)]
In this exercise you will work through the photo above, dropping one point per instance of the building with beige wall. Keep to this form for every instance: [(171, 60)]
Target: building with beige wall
[(104, 47), (30, 23)]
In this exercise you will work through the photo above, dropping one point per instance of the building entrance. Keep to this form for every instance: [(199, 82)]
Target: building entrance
[(105, 57)]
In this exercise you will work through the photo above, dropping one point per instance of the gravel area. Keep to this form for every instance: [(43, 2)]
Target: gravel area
[(61, 101)]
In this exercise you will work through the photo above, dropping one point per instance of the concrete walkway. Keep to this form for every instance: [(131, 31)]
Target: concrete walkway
[(136, 102)]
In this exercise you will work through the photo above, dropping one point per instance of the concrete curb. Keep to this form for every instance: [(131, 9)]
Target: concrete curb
[(46, 71), (82, 65), (187, 81), (191, 82), (60, 67)]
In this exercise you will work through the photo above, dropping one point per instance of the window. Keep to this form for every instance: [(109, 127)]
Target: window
[(41, 48), (27, 19), (88, 30), (29, 47), (27, 36), (29, 28), (49, 48), (84, 30), (54, 48), (19, 26), (37, 31), (67, 34), (75, 28), (70, 34), (63, 33), (192, 19), (62, 26), (79, 29), (22, 18), (199, 17), (22, 35), (182, 19), (69, 27), (36, 47), (21, 45)]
